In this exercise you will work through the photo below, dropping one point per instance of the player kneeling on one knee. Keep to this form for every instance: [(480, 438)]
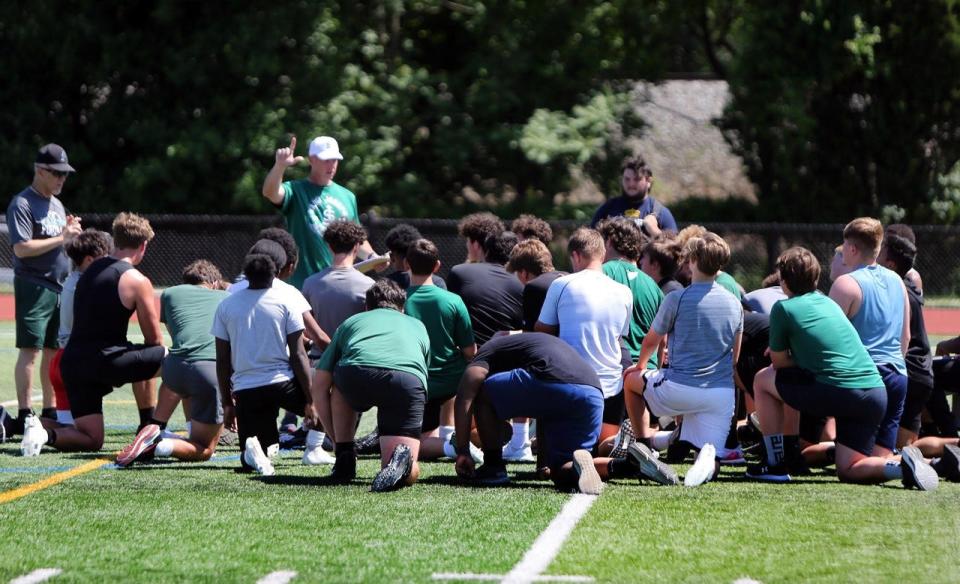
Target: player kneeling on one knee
[(377, 358)]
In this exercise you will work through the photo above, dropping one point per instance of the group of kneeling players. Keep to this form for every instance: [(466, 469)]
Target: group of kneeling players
[(643, 355)]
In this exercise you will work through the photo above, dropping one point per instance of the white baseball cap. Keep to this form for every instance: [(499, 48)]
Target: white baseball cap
[(325, 148)]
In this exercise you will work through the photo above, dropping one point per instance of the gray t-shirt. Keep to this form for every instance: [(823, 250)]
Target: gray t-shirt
[(256, 324), (336, 294), (763, 299), (33, 216), (66, 308), (703, 321)]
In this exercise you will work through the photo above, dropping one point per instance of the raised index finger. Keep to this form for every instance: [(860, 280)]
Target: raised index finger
[(293, 143)]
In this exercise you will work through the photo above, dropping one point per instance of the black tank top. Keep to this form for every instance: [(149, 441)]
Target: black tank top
[(99, 317)]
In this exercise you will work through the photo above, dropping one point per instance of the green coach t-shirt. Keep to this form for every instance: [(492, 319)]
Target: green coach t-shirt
[(188, 313), (382, 338), (448, 325), (822, 341), (646, 301), (730, 283), (309, 208)]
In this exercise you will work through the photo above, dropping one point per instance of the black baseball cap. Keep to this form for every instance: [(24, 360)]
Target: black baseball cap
[(53, 157)]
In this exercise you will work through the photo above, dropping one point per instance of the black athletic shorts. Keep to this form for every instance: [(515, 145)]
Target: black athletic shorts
[(614, 409), (398, 396), (858, 411), (431, 413), (91, 373), (918, 392)]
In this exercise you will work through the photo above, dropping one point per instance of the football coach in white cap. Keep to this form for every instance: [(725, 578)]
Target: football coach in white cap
[(310, 204)]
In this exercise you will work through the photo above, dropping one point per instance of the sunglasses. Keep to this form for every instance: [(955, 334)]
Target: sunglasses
[(58, 173)]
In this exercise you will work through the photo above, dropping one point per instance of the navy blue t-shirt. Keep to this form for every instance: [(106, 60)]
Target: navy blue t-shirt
[(635, 208)]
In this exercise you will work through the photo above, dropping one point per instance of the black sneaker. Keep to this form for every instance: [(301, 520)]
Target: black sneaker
[(489, 475), (344, 470), (294, 440), (7, 425), (916, 472), (650, 466), (228, 438), (369, 444), (949, 465), (776, 473), (797, 466), (677, 452), (391, 477), (625, 437)]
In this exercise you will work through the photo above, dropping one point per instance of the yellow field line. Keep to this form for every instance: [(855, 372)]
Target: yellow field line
[(51, 480)]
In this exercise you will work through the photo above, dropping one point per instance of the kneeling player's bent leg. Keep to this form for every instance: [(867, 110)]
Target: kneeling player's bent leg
[(896, 386)]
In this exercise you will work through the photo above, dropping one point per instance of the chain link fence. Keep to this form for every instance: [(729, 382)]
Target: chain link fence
[(224, 239)]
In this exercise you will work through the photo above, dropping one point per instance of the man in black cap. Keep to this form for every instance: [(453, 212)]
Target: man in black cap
[(39, 228)]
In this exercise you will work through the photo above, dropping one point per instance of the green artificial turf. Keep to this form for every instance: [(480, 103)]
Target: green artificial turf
[(179, 522)]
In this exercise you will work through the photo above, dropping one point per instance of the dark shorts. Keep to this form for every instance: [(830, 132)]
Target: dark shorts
[(858, 411), (90, 374), (37, 312), (896, 385), (398, 396), (431, 413), (568, 414), (196, 380), (918, 393), (614, 409)]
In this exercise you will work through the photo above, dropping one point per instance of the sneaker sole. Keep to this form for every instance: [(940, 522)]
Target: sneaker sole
[(951, 458), (143, 440), (924, 477), (588, 481), (702, 469), (768, 478), (650, 467), (390, 477)]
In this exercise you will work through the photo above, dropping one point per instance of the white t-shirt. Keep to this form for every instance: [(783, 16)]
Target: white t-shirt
[(66, 308), (295, 298), (256, 324), (593, 312)]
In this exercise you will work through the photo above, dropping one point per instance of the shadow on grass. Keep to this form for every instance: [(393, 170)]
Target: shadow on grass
[(450, 481)]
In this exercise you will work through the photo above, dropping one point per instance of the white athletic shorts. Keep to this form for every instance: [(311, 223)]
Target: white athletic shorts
[(706, 411)]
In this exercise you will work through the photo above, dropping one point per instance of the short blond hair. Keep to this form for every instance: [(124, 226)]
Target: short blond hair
[(710, 252), (689, 232), (866, 233), (130, 231)]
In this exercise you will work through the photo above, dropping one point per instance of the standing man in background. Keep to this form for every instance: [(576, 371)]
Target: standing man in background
[(310, 204), (39, 228), (636, 203)]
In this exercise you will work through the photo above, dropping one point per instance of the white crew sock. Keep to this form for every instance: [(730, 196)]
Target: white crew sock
[(521, 435), (164, 448), (315, 438), (661, 439), (446, 432)]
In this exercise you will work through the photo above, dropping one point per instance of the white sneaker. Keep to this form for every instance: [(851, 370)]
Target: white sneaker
[(253, 455), (317, 455), (522, 454), (475, 453), (703, 468), (273, 450), (34, 437)]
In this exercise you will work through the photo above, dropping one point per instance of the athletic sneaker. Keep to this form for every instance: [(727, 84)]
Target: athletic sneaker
[(522, 454), (145, 440), (34, 436), (703, 468), (622, 441), (490, 476), (369, 444), (916, 472), (7, 425), (475, 453), (391, 477), (588, 480), (253, 455), (293, 439), (949, 465), (734, 457), (228, 438), (317, 455), (776, 473), (650, 467)]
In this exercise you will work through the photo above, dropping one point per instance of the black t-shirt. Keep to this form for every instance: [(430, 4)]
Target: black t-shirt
[(919, 362), (544, 356), (493, 297), (403, 279), (534, 293)]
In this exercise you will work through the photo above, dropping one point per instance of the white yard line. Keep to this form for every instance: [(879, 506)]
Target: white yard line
[(35, 576), (496, 577), (280, 577)]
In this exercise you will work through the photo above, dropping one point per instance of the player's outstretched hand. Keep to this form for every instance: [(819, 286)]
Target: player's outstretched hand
[(285, 157)]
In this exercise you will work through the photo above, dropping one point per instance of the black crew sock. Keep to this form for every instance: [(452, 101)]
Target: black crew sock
[(831, 454), (22, 413), (346, 465), (791, 447), (51, 437), (152, 420), (493, 458), (50, 413), (621, 468), (146, 414)]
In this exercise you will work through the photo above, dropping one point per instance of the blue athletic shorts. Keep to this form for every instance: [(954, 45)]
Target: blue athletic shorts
[(568, 414), (896, 384)]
